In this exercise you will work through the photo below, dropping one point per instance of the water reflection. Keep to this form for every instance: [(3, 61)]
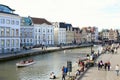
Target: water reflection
[(45, 64)]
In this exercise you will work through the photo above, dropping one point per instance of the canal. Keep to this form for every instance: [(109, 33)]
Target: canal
[(45, 64)]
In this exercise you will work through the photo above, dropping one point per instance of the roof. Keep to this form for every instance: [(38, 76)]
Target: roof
[(62, 25), (26, 21), (68, 25), (7, 7), (40, 21), (7, 10)]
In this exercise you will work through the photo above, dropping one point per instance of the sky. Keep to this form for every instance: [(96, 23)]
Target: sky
[(104, 14)]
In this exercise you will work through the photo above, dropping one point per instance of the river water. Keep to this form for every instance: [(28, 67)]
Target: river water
[(45, 64)]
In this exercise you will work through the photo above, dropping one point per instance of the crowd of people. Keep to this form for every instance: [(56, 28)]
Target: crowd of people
[(26, 61), (91, 57), (106, 65)]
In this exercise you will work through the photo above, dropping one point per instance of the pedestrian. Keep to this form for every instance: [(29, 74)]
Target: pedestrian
[(115, 50), (101, 64), (63, 73), (98, 65), (108, 65), (117, 69), (65, 70), (105, 66)]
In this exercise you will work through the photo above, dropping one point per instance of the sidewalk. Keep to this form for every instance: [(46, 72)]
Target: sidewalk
[(94, 74), (25, 52), (34, 51)]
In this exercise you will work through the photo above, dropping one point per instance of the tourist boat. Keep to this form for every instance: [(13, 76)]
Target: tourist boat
[(24, 63)]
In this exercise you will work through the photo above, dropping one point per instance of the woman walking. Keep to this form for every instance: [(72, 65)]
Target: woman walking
[(117, 69)]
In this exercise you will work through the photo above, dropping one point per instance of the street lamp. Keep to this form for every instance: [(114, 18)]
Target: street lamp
[(90, 38)]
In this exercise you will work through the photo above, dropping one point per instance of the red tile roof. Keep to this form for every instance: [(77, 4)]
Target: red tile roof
[(40, 21)]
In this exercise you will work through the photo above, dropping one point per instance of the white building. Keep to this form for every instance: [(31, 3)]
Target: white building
[(27, 32), (44, 31), (36, 32), (59, 34), (9, 30)]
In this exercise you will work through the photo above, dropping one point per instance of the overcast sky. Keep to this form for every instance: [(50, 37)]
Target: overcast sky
[(100, 13)]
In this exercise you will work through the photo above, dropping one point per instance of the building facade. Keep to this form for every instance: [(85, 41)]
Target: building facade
[(69, 34), (9, 30), (89, 34), (77, 35), (36, 32), (43, 32), (113, 34), (59, 34), (27, 32)]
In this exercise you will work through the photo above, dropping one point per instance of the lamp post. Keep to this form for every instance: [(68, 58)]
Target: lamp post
[(91, 40)]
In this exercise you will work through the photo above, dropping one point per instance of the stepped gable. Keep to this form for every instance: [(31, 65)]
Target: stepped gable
[(40, 21)]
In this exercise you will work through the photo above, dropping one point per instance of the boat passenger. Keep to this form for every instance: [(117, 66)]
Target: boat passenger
[(31, 60)]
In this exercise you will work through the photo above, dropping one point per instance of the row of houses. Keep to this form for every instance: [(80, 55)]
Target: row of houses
[(17, 32), (110, 35)]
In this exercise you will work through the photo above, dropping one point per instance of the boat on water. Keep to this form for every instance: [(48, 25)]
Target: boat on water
[(25, 63)]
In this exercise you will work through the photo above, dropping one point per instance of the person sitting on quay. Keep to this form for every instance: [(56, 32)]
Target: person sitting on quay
[(77, 73), (52, 75)]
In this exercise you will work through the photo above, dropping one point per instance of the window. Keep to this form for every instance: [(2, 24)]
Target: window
[(43, 30), (21, 40), (25, 34), (17, 32), (2, 32), (30, 40), (2, 43), (2, 21), (7, 21), (17, 42), (7, 32), (24, 40), (30, 34), (12, 32), (39, 30), (12, 43), (17, 22), (20, 34), (35, 37), (43, 37), (8, 43), (27, 40), (12, 22)]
